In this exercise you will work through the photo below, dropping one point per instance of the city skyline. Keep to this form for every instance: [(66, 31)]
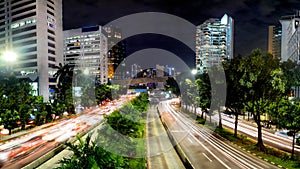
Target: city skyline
[(252, 18)]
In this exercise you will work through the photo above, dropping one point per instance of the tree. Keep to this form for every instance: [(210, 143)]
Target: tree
[(40, 111), (262, 82), (89, 155), (24, 102), (15, 101), (291, 72), (24, 112), (128, 121), (204, 90), (102, 93), (186, 97), (218, 89), (289, 115), (191, 94), (172, 85), (9, 119), (235, 93), (64, 78)]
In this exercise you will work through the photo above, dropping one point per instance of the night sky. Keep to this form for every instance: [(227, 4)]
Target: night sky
[(251, 17)]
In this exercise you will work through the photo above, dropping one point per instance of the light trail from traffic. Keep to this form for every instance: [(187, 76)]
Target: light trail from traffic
[(21, 151), (216, 149)]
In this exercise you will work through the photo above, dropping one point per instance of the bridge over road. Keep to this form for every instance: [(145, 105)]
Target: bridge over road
[(139, 80)]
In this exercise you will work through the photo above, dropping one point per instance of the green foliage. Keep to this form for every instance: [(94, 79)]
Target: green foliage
[(200, 120), (64, 78), (40, 112), (289, 115), (204, 89), (110, 92), (88, 155), (171, 85), (141, 103), (9, 119), (292, 74), (14, 101), (262, 83), (235, 93), (127, 121), (24, 112), (103, 92)]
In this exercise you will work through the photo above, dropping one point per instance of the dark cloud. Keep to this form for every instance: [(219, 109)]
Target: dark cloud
[(252, 17)]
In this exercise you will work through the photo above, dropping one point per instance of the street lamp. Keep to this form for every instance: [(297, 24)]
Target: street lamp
[(194, 71), (86, 71), (9, 56)]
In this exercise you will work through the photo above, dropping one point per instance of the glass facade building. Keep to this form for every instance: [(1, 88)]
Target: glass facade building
[(290, 42), (116, 53), (214, 42), (274, 40)]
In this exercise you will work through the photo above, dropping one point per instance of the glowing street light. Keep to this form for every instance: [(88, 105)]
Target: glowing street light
[(86, 71), (194, 71), (9, 56)]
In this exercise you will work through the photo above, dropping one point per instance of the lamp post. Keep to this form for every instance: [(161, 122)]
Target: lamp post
[(9, 57), (194, 71)]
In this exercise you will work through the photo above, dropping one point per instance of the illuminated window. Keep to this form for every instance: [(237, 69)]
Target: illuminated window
[(22, 23)]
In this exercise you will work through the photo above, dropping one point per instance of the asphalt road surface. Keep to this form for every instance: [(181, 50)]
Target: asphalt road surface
[(203, 149), (160, 151)]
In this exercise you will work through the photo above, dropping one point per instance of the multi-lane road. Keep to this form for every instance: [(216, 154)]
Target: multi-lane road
[(202, 148), (23, 150), (268, 138), (160, 151)]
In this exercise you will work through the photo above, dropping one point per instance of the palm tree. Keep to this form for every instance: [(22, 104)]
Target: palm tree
[(64, 76)]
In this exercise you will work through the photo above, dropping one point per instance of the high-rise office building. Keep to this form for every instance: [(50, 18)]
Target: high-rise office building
[(135, 69), (274, 40), (290, 48), (160, 70), (116, 53), (214, 42), (169, 71), (86, 50), (33, 30)]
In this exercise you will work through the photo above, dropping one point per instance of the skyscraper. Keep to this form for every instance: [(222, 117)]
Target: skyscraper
[(135, 69), (86, 50), (274, 40), (33, 30), (214, 42), (290, 48), (116, 53)]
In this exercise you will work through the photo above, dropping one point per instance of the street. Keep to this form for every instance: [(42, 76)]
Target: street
[(160, 151), (205, 150)]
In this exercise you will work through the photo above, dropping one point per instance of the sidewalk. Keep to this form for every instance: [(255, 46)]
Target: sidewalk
[(242, 119), (252, 123)]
